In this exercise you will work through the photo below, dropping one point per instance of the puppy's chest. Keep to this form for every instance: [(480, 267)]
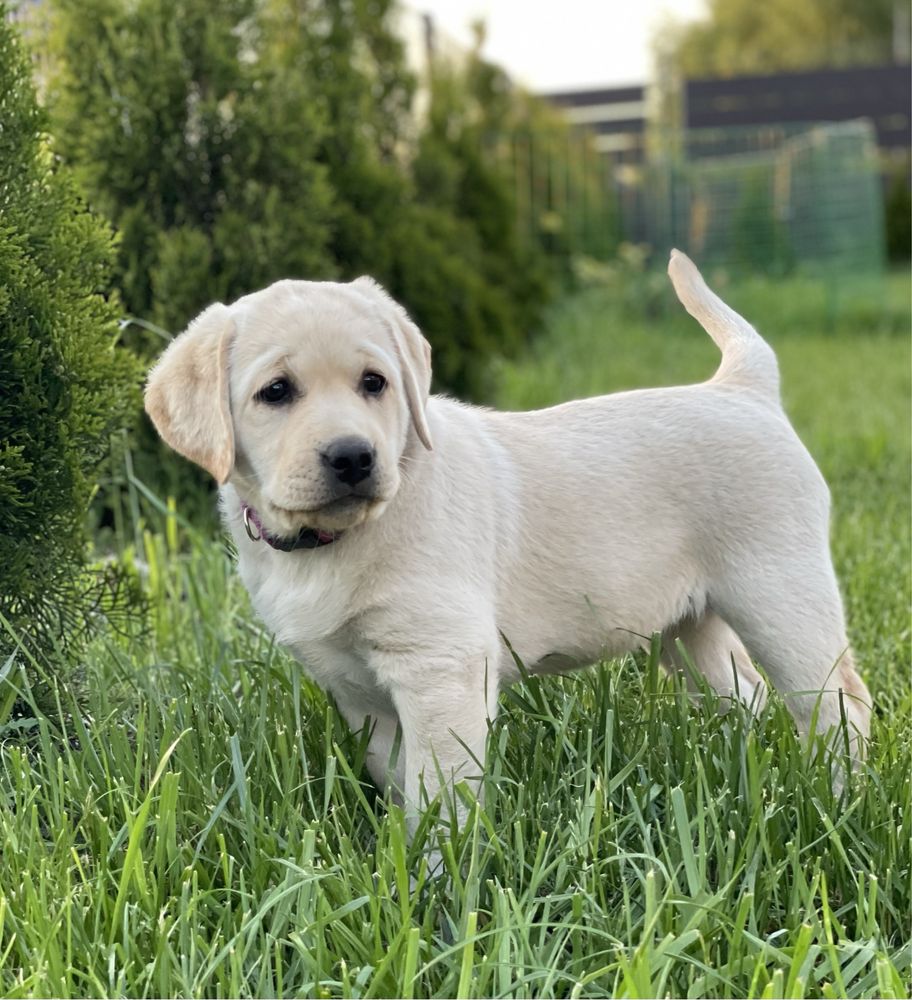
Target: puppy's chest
[(314, 614), (299, 599)]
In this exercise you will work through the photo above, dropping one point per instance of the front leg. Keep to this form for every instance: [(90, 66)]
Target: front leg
[(444, 704), (385, 753), (444, 732)]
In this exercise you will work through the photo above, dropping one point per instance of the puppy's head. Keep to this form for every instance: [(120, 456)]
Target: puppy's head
[(304, 396)]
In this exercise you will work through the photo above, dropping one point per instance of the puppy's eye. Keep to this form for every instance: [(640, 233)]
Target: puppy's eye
[(278, 391), (373, 383)]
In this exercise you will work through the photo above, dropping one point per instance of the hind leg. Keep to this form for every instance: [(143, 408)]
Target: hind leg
[(787, 609), (712, 646)]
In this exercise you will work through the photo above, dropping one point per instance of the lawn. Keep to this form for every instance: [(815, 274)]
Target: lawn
[(186, 816)]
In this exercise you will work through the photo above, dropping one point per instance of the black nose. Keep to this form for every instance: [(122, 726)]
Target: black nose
[(351, 459)]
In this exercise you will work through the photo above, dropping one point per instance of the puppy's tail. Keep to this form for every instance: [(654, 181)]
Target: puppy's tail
[(747, 359)]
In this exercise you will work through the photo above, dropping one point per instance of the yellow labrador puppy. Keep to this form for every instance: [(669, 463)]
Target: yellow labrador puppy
[(391, 540)]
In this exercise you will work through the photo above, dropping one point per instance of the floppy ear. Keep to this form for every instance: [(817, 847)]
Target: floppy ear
[(414, 355), (187, 393)]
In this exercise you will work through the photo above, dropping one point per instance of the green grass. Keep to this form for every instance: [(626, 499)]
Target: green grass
[(199, 823)]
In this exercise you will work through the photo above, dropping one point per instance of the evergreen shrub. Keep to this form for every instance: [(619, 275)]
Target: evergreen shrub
[(64, 388)]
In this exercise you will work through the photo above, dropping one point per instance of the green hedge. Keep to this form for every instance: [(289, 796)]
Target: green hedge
[(237, 143), (64, 388)]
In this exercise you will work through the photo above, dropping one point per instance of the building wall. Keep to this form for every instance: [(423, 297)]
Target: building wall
[(880, 93)]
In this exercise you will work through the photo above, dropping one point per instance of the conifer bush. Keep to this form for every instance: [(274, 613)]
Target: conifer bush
[(238, 143), (193, 133), (63, 387)]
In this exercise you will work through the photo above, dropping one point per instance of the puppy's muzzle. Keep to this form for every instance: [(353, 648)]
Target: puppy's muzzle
[(349, 460)]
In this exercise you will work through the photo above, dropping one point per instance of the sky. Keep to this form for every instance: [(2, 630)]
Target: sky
[(553, 45)]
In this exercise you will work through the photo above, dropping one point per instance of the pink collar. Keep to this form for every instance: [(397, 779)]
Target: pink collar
[(306, 538)]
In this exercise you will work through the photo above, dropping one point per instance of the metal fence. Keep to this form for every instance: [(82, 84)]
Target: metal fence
[(774, 199), (564, 191)]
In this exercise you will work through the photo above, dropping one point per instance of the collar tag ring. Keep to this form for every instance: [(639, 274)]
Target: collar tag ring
[(250, 534)]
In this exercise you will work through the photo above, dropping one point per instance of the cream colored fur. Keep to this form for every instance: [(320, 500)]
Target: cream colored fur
[(571, 532)]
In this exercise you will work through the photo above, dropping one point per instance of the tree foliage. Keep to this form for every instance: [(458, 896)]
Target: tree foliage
[(742, 36), (237, 143), (63, 387), (460, 172), (199, 148), (898, 211)]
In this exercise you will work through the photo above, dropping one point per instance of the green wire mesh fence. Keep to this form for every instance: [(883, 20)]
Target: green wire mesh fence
[(773, 199)]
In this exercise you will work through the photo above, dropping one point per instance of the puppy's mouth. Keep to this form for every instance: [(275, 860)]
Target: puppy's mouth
[(334, 516)]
